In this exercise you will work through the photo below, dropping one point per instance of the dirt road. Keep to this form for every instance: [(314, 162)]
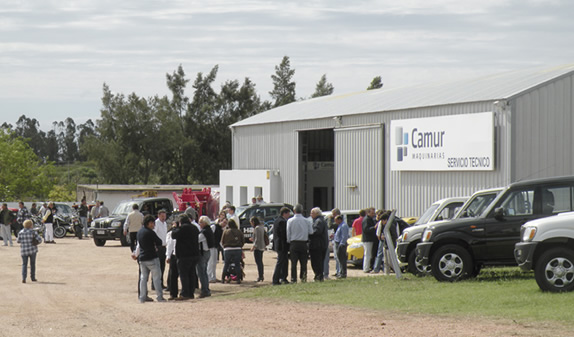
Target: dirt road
[(84, 290)]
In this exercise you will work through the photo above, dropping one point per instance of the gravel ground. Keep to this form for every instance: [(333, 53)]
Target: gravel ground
[(91, 291)]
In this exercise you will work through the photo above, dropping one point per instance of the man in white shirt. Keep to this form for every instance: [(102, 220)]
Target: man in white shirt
[(132, 225), (232, 216), (161, 231), (298, 230)]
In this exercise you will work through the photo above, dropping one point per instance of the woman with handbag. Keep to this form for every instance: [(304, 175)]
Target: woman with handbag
[(28, 240)]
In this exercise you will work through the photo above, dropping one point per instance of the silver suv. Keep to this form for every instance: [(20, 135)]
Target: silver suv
[(547, 246)]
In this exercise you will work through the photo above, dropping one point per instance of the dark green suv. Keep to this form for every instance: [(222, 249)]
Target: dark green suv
[(111, 227)]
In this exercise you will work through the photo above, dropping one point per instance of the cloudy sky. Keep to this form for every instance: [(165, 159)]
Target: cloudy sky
[(56, 55)]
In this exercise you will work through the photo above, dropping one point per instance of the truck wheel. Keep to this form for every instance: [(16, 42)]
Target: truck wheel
[(451, 263), (554, 270), (99, 242), (414, 266), (59, 232)]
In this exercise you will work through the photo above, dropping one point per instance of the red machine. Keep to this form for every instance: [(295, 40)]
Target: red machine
[(204, 201)]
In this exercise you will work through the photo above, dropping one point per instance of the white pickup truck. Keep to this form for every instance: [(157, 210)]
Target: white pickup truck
[(547, 246)]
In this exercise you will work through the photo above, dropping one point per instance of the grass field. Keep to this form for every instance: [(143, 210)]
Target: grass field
[(496, 292)]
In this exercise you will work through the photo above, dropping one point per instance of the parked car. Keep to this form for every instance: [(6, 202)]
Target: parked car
[(439, 211), (111, 227), (459, 248), (266, 213), (547, 247)]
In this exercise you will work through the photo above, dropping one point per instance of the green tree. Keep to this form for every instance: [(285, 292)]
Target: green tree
[(52, 148), (23, 177), (85, 130), (283, 87), (168, 140), (62, 193), (376, 83), (126, 149), (323, 88), (29, 130), (67, 141)]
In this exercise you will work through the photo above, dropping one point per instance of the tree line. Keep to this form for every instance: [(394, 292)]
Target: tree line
[(171, 139)]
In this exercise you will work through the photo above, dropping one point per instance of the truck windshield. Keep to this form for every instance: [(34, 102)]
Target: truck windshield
[(477, 205), (427, 214), (123, 208)]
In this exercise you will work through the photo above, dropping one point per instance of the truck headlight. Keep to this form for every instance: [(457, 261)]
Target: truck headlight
[(403, 237), (116, 223), (529, 233), (427, 235)]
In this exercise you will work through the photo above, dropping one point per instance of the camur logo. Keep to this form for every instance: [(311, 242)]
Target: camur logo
[(401, 142)]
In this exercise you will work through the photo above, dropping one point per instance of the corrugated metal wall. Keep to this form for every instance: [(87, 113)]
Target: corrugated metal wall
[(275, 146), (359, 167), (544, 124)]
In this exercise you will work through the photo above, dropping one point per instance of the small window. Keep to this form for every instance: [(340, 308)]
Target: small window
[(518, 203), (556, 200), (272, 212)]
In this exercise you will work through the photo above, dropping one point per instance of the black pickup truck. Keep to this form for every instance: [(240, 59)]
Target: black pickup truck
[(111, 227), (459, 248)]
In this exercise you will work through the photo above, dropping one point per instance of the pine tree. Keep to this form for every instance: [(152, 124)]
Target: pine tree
[(283, 88)]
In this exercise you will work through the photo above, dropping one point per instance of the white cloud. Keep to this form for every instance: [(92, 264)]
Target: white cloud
[(65, 50)]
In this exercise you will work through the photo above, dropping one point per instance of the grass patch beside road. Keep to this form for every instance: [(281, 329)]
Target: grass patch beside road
[(497, 292)]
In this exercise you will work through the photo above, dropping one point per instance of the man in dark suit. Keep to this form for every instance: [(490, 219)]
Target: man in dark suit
[(187, 253), (281, 246), (318, 242), (369, 239)]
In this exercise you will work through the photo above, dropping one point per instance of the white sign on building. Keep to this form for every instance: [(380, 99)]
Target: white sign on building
[(446, 143)]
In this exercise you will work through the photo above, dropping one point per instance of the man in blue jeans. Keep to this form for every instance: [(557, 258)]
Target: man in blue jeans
[(341, 237), (149, 262)]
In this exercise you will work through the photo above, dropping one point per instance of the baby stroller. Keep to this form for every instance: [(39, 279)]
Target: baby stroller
[(234, 272)]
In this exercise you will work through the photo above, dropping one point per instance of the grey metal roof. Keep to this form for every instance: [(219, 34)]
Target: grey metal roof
[(104, 187), (493, 87)]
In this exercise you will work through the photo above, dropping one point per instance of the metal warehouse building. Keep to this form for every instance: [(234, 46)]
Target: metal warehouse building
[(404, 148)]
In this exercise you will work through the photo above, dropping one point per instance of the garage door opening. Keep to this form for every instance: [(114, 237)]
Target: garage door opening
[(317, 169)]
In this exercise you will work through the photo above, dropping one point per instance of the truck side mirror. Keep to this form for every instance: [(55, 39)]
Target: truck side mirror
[(499, 213)]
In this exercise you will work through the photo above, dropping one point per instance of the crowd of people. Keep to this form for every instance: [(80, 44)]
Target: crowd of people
[(192, 247)]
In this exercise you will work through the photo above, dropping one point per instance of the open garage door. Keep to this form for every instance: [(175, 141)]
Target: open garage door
[(359, 167)]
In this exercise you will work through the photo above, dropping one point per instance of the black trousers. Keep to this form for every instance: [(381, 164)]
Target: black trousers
[(299, 253), (133, 240), (342, 256), (161, 254), (281, 267), (173, 276), (258, 256), (187, 274), (318, 262)]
